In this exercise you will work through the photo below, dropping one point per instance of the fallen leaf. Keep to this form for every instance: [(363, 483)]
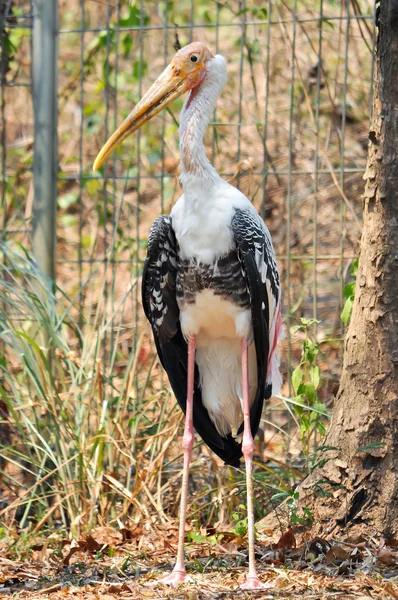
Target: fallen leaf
[(115, 588), (229, 547), (355, 539), (386, 557), (336, 554), (143, 354), (72, 551), (90, 544), (51, 589), (126, 587), (287, 541)]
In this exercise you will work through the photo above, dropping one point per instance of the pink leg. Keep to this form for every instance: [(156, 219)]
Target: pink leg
[(252, 581), (179, 575)]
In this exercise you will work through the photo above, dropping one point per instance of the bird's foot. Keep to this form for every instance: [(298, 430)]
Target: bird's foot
[(176, 577), (253, 583)]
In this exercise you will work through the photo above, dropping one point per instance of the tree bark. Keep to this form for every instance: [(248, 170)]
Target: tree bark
[(361, 476)]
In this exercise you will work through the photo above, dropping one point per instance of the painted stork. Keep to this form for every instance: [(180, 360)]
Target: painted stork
[(210, 287)]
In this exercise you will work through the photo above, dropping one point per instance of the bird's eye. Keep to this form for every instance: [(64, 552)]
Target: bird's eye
[(193, 58)]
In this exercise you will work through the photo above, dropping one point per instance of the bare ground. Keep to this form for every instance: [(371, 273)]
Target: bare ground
[(127, 563)]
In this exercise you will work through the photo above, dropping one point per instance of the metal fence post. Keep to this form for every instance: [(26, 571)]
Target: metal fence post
[(45, 107)]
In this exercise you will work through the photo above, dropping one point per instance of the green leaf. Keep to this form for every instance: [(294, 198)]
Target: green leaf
[(346, 312), (354, 267), (298, 404), (297, 377), (315, 375), (349, 290), (310, 350), (308, 322), (127, 43), (279, 496), (369, 447), (309, 391), (301, 389), (326, 448), (196, 537), (103, 37), (241, 527), (133, 18), (67, 200), (140, 69), (9, 48), (320, 408), (304, 425)]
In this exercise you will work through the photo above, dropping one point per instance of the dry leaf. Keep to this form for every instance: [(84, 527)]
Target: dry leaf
[(386, 557), (115, 588), (287, 541), (126, 587), (336, 554), (72, 551), (356, 539), (90, 544)]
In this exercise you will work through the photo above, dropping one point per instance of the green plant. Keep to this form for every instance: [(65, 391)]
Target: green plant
[(306, 379), (349, 294), (294, 509), (240, 521), (197, 537)]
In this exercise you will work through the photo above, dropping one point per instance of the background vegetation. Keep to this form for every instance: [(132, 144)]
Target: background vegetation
[(89, 432)]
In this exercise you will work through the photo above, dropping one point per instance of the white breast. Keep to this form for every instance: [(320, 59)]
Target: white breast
[(212, 317), (202, 219)]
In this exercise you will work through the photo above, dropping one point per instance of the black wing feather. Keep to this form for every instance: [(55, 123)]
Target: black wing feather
[(252, 241), (161, 309)]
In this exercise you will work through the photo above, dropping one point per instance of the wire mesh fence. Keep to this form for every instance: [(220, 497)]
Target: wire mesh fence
[(290, 131)]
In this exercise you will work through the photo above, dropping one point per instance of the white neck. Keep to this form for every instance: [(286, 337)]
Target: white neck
[(195, 117)]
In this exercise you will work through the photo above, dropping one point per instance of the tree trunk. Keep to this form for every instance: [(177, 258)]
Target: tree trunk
[(361, 477)]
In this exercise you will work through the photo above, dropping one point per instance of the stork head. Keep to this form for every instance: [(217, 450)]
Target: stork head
[(185, 72)]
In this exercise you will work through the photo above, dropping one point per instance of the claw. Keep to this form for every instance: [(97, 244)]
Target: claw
[(253, 583), (175, 578)]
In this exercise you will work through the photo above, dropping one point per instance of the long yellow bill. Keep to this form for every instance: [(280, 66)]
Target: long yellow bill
[(169, 85)]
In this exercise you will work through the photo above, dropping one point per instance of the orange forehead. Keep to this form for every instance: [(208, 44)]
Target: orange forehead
[(194, 47), (183, 55), (192, 71)]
